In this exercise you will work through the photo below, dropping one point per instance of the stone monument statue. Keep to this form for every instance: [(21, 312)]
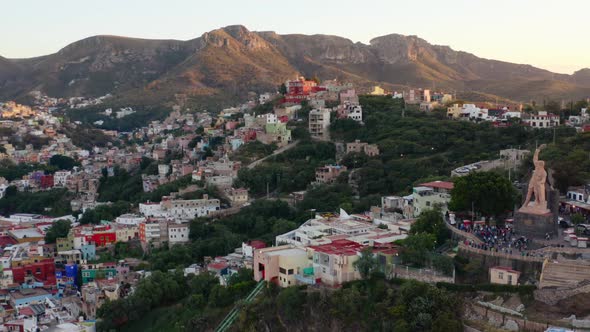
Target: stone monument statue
[(538, 218), (537, 188)]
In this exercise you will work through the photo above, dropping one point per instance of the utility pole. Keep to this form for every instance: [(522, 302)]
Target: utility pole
[(554, 130)]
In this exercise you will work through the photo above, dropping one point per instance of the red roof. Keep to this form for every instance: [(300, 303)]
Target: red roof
[(217, 266), (257, 244), (6, 241), (27, 311), (339, 247), (439, 184)]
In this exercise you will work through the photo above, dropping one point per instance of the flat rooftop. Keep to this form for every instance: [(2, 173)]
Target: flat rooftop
[(29, 292), (25, 233), (287, 252)]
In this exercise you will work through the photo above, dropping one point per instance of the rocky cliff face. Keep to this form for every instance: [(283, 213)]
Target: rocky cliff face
[(234, 60)]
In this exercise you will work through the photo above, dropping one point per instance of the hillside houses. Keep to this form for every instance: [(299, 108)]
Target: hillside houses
[(323, 250)]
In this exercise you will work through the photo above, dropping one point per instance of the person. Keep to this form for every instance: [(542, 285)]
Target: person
[(537, 182)]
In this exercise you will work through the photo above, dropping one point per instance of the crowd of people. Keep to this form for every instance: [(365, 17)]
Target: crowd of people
[(498, 239)]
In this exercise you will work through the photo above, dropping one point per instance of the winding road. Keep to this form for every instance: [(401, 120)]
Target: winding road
[(275, 152)]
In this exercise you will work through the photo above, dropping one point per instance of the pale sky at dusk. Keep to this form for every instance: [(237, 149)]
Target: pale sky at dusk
[(544, 33)]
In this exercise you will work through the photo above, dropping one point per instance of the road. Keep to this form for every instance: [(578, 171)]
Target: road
[(277, 151)]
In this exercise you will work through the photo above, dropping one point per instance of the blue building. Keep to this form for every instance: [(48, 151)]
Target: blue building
[(28, 296)]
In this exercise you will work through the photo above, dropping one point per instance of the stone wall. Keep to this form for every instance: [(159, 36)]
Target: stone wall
[(476, 311), (423, 275), (530, 267), (552, 296)]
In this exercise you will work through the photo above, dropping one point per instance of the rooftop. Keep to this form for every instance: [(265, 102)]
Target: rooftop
[(504, 268), (287, 252), (339, 247), (438, 184), (26, 233), (29, 292)]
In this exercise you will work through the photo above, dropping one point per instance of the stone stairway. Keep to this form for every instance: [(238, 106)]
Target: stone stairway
[(564, 274)]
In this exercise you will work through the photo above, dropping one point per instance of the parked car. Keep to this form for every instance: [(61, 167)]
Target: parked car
[(583, 229), (564, 223)]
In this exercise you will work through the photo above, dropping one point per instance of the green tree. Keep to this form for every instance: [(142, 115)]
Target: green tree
[(367, 263), (552, 106), (578, 218), (59, 228), (489, 193), (431, 222), (291, 302), (417, 248), (445, 322), (283, 89), (62, 162)]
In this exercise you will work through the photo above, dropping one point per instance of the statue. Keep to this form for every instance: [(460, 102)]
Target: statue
[(537, 187)]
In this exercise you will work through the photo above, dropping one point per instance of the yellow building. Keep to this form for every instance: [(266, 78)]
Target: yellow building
[(454, 111), (503, 275), (127, 232), (378, 91), (279, 264), (333, 263)]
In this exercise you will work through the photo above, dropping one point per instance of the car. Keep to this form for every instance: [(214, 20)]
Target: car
[(583, 229), (563, 223)]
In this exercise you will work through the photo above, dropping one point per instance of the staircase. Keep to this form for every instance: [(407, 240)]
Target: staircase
[(564, 274), (231, 317)]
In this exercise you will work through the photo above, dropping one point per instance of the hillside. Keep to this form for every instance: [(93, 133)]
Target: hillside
[(232, 61)]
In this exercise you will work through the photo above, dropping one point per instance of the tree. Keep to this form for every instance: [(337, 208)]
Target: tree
[(580, 104), (283, 89), (62, 162), (489, 193), (417, 248), (58, 229), (291, 301), (446, 323), (578, 218), (552, 106), (431, 222), (367, 263)]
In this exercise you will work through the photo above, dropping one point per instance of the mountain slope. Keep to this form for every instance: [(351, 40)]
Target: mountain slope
[(232, 61)]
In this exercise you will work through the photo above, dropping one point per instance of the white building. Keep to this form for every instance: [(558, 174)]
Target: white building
[(220, 181), (3, 188), (319, 121), (163, 170), (323, 229), (542, 120), (264, 98), (150, 209), (180, 209), (129, 219), (355, 112), (428, 195), (60, 178), (178, 233)]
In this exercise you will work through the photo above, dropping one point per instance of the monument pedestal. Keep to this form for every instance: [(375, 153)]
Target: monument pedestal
[(534, 225)]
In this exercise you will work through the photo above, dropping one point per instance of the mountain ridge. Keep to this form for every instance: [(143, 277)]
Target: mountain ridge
[(232, 61)]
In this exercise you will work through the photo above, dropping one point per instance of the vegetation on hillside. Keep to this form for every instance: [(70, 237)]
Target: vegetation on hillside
[(289, 171), (416, 145), (143, 115), (55, 202)]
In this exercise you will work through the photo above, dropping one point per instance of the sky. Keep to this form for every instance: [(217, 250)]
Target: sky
[(545, 33)]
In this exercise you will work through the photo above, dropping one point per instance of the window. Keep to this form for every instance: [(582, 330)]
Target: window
[(290, 271), (501, 275), (282, 270)]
